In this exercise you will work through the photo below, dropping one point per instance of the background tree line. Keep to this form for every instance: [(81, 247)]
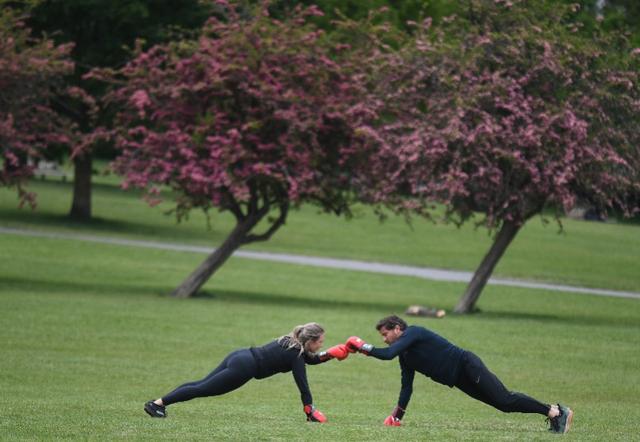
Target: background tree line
[(496, 111)]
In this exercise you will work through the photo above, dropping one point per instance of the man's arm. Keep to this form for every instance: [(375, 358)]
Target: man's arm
[(406, 389), (408, 338), (407, 376)]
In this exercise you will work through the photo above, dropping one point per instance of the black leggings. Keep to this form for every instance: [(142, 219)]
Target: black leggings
[(235, 370), (478, 382)]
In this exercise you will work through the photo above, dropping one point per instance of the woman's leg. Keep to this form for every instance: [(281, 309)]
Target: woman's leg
[(478, 382), (236, 370), (218, 369)]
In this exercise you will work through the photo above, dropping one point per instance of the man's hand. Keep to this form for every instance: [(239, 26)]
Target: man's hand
[(393, 420), (355, 343), (314, 415)]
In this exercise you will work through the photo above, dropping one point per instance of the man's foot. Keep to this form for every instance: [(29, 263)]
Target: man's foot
[(155, 410), (562, 422)]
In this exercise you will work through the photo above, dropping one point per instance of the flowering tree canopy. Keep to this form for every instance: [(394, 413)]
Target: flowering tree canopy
[(31, 73), (254, 117), (506, 111)]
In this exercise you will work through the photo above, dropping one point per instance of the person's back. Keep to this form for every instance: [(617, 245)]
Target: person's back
[(434, 356), (426, 352), (275, 357)]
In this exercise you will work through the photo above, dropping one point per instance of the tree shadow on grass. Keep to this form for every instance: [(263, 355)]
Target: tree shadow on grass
[(110, 227), (591, 320), (259, 298), (53, 219), (294, 301), (275, 299), (76, 288), (41, 217)]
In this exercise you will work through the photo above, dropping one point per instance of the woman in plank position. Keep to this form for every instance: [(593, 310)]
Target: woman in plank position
[(290, 352)]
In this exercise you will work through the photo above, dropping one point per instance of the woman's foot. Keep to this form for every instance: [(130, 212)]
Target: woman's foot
[(155, 410)]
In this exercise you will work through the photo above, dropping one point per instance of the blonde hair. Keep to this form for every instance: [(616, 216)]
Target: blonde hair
[(301, 335)]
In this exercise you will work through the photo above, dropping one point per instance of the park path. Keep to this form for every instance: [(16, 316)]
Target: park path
[(343, 264)]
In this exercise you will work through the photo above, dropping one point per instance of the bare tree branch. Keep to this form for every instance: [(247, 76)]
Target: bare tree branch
[(284, 210)]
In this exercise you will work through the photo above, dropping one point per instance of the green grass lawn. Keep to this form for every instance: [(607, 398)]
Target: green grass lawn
[(88, 333)]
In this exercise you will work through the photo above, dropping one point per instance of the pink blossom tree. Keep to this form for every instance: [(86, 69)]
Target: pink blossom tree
[(31, 74), (255, 117), (506, 112)]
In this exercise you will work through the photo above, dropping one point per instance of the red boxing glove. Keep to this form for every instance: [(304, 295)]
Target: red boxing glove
[(314, 415), (354, 344), (339, 352), (391, 421)]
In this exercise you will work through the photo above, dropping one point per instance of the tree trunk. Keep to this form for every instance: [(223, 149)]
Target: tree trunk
[(506, 234), (209, 266), (81, 204)]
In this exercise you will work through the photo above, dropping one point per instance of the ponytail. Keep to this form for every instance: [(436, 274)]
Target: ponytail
[(301, 335)]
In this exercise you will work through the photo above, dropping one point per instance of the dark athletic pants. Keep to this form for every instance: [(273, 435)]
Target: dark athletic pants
[(478, 382), (234, 371)]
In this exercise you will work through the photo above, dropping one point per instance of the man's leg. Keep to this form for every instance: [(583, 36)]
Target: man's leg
[(478, 382)]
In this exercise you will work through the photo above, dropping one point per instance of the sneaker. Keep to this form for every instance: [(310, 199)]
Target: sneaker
[(562, 422), (565, 418), (155, 410)]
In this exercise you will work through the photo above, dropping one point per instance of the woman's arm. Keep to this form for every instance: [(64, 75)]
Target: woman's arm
[(299, 372), (339, 352)]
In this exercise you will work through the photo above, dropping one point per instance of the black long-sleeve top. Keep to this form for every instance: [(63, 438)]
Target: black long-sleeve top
[(275, 357), (423, 351)]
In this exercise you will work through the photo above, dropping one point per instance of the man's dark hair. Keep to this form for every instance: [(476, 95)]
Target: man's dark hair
[(390, 323)]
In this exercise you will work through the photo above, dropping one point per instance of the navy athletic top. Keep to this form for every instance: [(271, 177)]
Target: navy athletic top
[(275, 357), (423, 351)]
